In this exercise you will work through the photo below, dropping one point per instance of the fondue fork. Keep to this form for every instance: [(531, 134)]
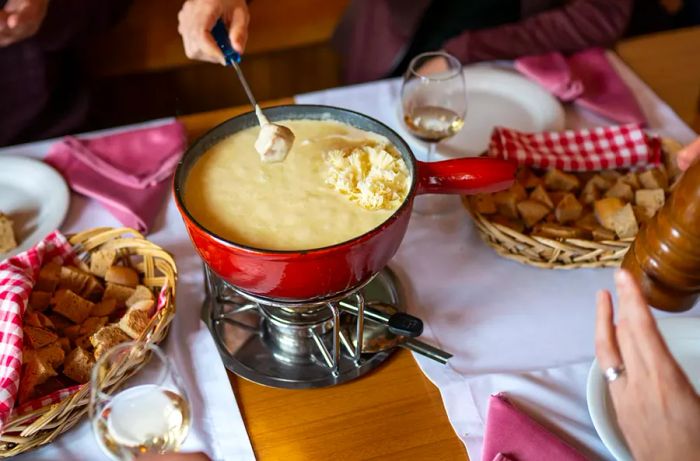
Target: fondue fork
[(274, 141), (220, 34)]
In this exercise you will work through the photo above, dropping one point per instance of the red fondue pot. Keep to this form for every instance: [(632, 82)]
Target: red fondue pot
[(303, 275)]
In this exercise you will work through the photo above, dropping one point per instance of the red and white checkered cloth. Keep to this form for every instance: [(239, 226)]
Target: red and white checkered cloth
[(593, 149), (49, 399), (17, 277)]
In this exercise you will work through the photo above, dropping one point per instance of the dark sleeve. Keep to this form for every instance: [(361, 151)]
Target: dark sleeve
[(578, 25)]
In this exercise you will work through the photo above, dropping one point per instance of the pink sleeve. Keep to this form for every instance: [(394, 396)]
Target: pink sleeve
[(578, 25)]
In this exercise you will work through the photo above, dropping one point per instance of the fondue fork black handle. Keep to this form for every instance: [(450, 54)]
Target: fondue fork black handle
[(220, 34), (399, 323)]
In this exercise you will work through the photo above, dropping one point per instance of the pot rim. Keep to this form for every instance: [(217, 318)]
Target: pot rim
[(180, 178)]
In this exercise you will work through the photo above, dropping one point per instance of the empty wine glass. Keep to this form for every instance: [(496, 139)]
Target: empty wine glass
[(434, 104), (149, 413)]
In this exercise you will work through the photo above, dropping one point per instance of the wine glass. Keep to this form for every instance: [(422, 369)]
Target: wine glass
[(434, 104), (150, 413)]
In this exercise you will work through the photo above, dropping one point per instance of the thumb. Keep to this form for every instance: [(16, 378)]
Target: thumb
[(238, 32), (688, 155)]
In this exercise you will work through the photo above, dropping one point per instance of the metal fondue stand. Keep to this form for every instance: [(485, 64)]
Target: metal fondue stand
[(296, 345)]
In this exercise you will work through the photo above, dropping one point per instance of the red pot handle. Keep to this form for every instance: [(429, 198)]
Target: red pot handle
[(464, 176)]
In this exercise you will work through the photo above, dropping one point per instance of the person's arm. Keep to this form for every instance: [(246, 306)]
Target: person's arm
[(578, 25)]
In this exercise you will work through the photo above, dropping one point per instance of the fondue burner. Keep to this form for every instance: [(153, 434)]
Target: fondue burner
[(299, 345)]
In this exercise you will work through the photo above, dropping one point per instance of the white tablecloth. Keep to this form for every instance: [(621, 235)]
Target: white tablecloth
[(512, 328), (217, 425)]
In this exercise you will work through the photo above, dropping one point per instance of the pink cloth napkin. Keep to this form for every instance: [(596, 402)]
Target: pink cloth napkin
[(588, 79), (128, 172), (513, 435)]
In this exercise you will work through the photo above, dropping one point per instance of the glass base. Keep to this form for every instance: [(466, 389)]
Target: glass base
[(436, 204)]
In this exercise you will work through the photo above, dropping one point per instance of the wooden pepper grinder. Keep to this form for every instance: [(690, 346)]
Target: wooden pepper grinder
[(665, 256)]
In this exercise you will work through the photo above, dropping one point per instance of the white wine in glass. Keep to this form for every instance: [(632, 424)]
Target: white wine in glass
[(434, 104), (150, 417), (433, 124)]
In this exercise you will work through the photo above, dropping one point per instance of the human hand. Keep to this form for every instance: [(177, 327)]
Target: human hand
[(197, 18), (21, 19), (688, 155), (174, 457), (656, 406), (434, 65)]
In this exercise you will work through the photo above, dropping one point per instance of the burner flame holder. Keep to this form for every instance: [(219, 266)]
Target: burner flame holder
[(296, 313)]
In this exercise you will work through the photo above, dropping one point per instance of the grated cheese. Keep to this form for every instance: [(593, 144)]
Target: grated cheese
[(371, 176)]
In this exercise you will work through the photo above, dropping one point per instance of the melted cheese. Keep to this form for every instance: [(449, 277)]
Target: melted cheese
[(291, 205)]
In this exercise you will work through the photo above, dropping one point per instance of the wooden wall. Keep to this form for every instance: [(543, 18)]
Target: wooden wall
[(139, 70)]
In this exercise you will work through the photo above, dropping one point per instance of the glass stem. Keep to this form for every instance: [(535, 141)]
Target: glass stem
[(431, 152)]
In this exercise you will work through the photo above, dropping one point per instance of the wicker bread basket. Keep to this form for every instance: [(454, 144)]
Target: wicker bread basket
[(548, 253), (157, 267), (571, 253)]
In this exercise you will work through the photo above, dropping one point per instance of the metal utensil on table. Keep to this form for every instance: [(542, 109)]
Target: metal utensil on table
[(274, 141), (386, 327)]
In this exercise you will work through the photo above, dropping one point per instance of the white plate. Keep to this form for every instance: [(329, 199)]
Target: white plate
[(500, 97), (683, 338), (35, 197)]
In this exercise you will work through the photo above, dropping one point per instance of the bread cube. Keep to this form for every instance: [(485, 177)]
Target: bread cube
[(541, 195), (64, 343), (72, 306), (621, 190), (59, 322), (590, 193), (652, 199), (122, 275), (624, 223), (134, 322), (587, 222), (631, 179), (515, 224), (106, 307), (482, 203), (605, 209), (7, 234), (37, 338), (654, 179), (39, 300), (78, 365), (52, 354), (528, 179), (611, 175), (560, 181), (102, 260), (506, 204), (568, 210), (48, 277), (119, 293), (73, 279), (106, 338), (39, 320), (34, 372), (532, 211), (92, 324), (600, 183)]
